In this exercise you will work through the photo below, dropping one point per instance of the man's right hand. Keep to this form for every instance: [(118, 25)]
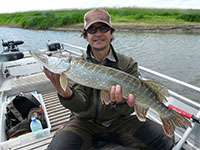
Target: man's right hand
[(55, 79)]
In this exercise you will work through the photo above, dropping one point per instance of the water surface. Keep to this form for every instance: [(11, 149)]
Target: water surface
[(174, 54)]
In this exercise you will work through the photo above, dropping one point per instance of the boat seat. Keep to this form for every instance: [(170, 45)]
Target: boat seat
[(10, 56)]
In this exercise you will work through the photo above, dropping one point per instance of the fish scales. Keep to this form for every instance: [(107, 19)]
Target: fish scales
[(106, 77), (147, 94)]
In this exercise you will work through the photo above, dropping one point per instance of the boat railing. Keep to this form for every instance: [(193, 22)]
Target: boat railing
[(187, 85)]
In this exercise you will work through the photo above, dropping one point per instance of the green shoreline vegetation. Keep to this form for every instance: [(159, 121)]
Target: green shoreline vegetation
[(63, 18)]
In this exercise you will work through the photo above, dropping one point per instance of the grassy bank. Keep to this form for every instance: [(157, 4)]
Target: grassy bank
[(62, 18)]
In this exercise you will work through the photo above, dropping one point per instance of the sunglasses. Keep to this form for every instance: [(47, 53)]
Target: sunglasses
[(93, 30)]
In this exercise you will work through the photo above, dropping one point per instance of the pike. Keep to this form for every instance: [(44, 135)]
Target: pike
[(147, 94)]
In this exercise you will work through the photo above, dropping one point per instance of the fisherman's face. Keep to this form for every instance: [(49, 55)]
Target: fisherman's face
[(99, 40)]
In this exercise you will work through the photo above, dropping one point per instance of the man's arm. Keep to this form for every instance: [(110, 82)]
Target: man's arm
[(74, 98)]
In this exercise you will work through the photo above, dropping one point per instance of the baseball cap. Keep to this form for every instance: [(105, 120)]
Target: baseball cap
[(96, 15)]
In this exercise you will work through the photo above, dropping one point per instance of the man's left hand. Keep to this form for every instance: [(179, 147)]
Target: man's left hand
[(116, 95)]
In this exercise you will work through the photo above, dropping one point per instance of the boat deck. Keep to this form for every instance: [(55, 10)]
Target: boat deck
[(58, 115)]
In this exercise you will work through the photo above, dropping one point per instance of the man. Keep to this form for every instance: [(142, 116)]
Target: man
[(92, 121)]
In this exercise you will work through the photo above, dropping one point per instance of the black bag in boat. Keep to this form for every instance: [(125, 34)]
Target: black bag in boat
[(19, 113)]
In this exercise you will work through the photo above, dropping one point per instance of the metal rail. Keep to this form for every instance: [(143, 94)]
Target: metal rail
[(170, 78), (180, 144)]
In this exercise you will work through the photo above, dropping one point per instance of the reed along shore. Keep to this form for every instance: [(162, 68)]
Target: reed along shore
[(123, 19)]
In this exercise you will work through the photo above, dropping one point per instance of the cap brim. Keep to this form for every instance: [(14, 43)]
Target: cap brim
[(95, 21)]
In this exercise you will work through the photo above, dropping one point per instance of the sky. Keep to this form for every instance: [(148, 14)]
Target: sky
[(10, 6)]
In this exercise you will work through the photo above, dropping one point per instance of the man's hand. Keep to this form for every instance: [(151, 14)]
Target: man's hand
[(55, 79), (116, 96)]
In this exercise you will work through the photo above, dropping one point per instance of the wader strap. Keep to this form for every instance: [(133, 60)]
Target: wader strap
[(15, 112), (31, 98)]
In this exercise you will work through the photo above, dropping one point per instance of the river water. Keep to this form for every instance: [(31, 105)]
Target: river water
[(174, 54)]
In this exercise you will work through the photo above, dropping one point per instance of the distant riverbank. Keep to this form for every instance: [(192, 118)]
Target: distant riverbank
[(137, 27), (142, 27), (130, 19)]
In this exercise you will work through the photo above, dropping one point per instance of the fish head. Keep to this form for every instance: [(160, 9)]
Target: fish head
[(56, 63)]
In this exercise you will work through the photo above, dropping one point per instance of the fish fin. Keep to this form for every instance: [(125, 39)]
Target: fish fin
[(170, 123), (105, 97), (63, 82), (160, 90), (140, 112)]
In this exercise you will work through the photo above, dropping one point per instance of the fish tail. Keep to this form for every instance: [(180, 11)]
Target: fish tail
[(170, 123)]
